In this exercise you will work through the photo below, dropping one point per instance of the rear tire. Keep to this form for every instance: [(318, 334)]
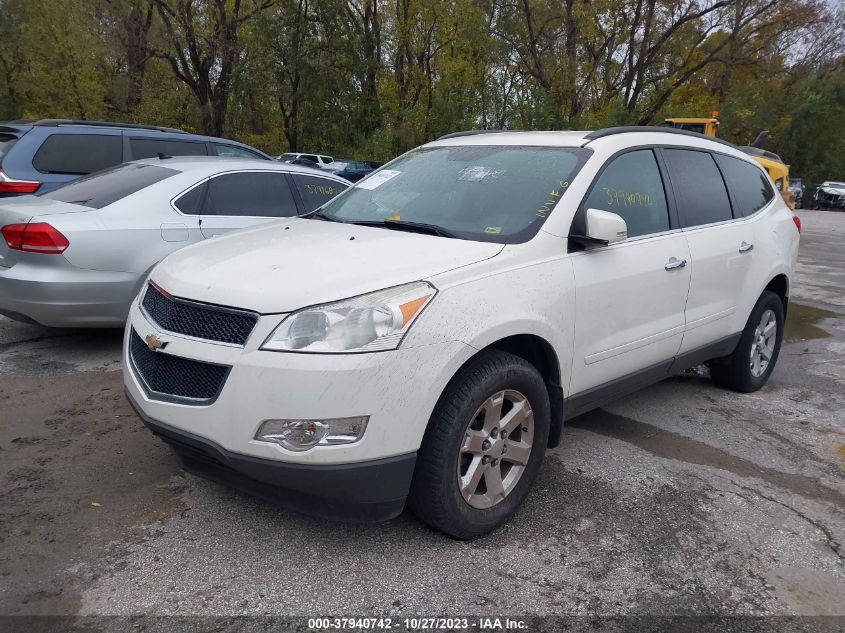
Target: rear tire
[(483, 447), (754, 358)]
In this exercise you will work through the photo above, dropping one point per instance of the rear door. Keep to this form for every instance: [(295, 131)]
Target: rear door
[(236, 200), (721, 248)]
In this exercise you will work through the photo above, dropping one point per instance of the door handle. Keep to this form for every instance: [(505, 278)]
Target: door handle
[(674, 263), (745, 247)]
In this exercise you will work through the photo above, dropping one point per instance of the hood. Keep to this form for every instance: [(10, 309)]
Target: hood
[(286, 266)]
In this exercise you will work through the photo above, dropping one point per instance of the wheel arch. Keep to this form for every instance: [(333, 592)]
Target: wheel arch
[(538, 351), (779, 284)]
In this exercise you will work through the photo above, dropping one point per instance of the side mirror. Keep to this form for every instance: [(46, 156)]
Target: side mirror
[(602, 228)]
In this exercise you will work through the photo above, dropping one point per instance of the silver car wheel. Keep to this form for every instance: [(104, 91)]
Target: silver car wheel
[(763, 343), (496, 449)]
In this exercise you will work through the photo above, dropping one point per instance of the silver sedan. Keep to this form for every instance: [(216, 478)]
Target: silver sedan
[(76, 256)]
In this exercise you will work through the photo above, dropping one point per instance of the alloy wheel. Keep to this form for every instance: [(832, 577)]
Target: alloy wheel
[(496, 449), (763, 343)]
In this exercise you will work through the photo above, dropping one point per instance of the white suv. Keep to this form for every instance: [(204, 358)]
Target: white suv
[(424, 335)]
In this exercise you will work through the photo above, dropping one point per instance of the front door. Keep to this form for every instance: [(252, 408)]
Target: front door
[(630, 296)]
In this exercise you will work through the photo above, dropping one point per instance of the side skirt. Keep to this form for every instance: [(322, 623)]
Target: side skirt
[(602, 394)]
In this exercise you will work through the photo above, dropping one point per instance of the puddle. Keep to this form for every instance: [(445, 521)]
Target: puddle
[(670, 445), (801, 322)]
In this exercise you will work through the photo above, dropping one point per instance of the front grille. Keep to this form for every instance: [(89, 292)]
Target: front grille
[(172, 378), (212, 323)]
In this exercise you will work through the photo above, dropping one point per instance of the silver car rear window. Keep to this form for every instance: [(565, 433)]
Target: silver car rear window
[(110, 185)]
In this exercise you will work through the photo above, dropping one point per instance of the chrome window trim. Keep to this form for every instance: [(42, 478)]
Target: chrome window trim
[(211, 177)]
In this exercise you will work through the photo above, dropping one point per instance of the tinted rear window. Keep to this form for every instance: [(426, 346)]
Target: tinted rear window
[(699, 188), (78, 153), (106, 187), (6, 142), (316, 191), (191, 202), (749, 187), (152, 147)]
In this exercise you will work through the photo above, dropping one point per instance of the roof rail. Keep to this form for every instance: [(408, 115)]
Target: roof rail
[(624, 129), (471, 133), (139, 126)]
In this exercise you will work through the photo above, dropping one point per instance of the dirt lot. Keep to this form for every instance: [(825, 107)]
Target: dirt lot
[(683, 499)]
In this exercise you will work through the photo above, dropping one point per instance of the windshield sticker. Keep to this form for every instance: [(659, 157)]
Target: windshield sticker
[(554, 196), (495, 230), (394, 216), (378, 179), (477, 174)]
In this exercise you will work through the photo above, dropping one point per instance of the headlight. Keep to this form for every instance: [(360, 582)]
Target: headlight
[(368, 323)]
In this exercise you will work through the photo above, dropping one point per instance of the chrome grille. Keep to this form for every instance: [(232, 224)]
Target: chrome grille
[(197, 320)]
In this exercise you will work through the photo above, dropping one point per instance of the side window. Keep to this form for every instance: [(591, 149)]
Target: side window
[(262, 194), (328, 160), (749, 187), (316, 191), (310, 157), (698, 185), (78, 153), (237, 152), (152, 147), (190, 203), (631, 186)]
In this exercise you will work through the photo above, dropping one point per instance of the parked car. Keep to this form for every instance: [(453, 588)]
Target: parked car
[(321, 161), (38, 156), (830, 195), (76, 255), (354, 170), (422, 337), (796, 189)]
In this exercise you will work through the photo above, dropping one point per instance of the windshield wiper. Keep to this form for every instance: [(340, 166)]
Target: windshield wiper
[(319, 214), (404, 225)]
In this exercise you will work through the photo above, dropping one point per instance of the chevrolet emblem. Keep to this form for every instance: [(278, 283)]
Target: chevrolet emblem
[(154, 342)]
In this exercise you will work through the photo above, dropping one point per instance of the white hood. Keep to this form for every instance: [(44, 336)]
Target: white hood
[(284, 266)]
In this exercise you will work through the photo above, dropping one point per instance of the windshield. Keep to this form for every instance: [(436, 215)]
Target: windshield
[(484, 193)]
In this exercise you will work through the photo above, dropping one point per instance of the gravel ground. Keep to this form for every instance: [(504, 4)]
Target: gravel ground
[(683, 499)]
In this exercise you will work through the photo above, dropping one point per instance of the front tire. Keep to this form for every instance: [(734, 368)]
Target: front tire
[(483, 447), (754, 358)]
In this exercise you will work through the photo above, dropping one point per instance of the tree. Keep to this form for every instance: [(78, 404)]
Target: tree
[(204, 47)]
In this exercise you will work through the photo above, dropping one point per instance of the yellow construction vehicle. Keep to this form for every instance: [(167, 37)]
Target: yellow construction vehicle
[(704, 126), (771, 162)]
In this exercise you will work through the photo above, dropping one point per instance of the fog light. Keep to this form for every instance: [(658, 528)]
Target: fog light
[(302, 435)]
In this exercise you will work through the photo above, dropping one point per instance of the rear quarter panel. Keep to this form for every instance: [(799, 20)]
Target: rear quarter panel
[(776, 241), (125, 236)]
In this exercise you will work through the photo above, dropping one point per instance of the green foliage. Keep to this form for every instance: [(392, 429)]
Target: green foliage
[(372, 78)]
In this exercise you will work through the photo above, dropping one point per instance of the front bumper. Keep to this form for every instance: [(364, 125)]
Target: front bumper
[(66, 296), (367, 491)]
